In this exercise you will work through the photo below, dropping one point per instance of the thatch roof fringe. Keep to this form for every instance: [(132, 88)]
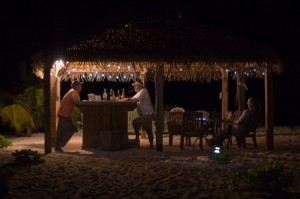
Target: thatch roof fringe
[(185, 50)]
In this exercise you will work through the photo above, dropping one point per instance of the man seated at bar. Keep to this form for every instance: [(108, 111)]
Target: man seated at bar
[(145, 112)]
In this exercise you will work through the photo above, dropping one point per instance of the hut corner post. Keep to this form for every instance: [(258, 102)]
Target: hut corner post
[(269, 124), (159, 107), (47, 107), (224, 95), (241, 99)]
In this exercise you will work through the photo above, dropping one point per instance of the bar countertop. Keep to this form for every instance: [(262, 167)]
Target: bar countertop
[(85, 102)]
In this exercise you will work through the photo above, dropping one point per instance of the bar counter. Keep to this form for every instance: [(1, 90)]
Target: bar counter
[(105, 124)]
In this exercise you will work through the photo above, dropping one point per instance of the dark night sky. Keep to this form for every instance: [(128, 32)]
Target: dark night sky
[(28, 26)]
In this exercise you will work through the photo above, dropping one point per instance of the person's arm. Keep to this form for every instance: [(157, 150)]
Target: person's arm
[(137, 97), (236, 121), (241, 118), (75, 97), (132, 99)]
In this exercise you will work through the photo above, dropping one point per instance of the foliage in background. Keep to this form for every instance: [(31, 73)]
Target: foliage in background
[(25, 113), (33, 100), (76, 115), (76, 118), (17, 117), (267, 176), (4, 142), (27, 156)]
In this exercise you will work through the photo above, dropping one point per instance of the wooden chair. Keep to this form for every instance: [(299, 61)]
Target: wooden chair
[(205, 114), (174, 125), (251, 129), (174, 122), (192, 126)]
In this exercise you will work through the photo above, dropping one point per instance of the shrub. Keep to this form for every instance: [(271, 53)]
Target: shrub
[(27, 156), (219, 156), (268, 176), (4, 142)]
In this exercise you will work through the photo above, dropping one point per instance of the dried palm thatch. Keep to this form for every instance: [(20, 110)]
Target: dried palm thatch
[(184, 50)]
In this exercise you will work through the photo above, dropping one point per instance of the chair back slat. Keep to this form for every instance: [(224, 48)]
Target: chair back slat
[(175, 117), (193, 122), (192, 126), (174, 123), (177, 109)]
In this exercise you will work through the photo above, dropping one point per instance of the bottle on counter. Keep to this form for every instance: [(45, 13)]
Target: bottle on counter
[(123, 95), (114, 95), (118, 96), (111, 94), (104, 94)]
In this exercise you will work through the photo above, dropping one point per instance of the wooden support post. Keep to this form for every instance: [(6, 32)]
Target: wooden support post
[(269, 124), (54, 104), (159, 107), (47, 106), (240, 82), (57, 105), (145, 83), (224, 94)]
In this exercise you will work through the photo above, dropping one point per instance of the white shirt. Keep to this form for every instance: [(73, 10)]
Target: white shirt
[(144, 105)]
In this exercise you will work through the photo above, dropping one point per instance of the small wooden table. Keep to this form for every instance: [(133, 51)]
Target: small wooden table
[(105, 124)]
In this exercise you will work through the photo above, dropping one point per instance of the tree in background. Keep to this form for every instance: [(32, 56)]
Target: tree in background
[(26, 113)]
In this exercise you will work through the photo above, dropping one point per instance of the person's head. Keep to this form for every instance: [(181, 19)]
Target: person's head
[(77, 85), (252, 103), (137, 86)]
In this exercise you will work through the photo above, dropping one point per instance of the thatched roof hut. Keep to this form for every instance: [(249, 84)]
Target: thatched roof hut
[(177, 45), (176, 49)]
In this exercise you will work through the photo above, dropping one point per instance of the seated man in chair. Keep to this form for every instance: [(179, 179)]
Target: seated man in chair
[(240, 126), (145, 112)]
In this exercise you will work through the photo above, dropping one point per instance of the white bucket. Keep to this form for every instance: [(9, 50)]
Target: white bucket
[(91, 97)]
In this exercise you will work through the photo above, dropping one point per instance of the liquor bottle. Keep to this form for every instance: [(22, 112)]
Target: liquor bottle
[(118, 94), (114, 95), (104, 94), (111, 94), (123, 95)]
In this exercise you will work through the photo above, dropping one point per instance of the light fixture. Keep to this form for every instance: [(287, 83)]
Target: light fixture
[(217, 149)]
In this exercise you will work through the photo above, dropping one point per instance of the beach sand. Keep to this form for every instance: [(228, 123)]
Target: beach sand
[(145, 173)]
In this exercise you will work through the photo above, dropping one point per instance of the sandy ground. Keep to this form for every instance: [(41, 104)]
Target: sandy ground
[(146, 173)]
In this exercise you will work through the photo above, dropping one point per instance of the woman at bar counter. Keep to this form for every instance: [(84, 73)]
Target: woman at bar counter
[(145, 112), (66, 128)]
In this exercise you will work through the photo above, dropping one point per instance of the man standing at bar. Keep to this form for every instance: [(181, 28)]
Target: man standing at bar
[(145, 112), (66, 128)]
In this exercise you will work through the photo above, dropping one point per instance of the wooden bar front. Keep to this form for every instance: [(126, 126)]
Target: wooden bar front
[(105, 124)]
